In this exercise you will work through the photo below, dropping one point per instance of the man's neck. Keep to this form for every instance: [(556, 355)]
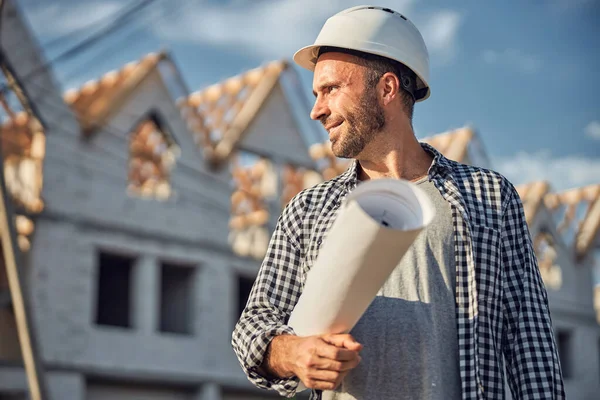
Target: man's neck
[(407, 161)]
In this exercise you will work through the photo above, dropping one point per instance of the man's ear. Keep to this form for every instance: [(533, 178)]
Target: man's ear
[(389, 87)]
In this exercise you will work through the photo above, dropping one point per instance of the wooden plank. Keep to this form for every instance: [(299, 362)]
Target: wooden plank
[(33, 365)]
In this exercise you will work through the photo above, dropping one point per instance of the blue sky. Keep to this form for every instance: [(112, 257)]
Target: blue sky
[(522, 73)]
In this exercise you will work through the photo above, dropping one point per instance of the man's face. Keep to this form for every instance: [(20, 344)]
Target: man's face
[(349, 111)]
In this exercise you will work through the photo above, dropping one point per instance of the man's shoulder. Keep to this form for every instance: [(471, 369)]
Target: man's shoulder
[(315, 196), (310, 200), (468, 171), (479, 176), (482, 183)]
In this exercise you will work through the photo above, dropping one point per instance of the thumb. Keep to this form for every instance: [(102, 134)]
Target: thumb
[(343, 340)]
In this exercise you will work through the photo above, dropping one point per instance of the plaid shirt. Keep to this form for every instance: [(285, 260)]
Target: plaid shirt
[(501, 304)]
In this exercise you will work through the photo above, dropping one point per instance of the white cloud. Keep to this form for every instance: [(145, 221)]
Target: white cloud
[(271, 28), (277, 29), (440, 31), (61, 18), (562, 172), (513, 58), (592, 130)]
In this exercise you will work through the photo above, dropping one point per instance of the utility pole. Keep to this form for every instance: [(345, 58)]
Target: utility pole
[(33, 366)]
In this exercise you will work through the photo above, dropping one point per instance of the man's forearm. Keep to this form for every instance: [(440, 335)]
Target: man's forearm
[(276, 362)]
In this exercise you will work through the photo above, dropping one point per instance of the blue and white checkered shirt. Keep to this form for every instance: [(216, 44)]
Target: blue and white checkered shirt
[(501, 304)]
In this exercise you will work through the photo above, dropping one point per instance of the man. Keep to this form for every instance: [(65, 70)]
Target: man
[(467, 299)]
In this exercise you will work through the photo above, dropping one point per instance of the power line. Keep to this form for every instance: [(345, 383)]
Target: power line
[(115, 25), (84, 29), (123, 135), (85, 66), (47, 64), (126, 41)]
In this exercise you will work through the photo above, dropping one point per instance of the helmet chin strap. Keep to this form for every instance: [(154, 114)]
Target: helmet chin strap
[(409, 84)]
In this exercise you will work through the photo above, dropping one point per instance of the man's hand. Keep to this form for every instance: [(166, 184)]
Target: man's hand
[(320, 362)]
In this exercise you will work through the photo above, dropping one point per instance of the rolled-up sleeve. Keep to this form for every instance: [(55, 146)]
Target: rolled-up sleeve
[(272, 299), (530, 351)]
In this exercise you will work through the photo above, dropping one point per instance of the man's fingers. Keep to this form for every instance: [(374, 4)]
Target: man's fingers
[(320, 385), (340, 366), (323, 375), (321, 365), (325, 380), (336, 353), (343, 340)]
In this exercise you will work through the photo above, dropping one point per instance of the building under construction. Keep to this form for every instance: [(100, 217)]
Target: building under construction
[(142, 209)]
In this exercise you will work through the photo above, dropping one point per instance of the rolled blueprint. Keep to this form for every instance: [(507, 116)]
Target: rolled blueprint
[(374, 228)]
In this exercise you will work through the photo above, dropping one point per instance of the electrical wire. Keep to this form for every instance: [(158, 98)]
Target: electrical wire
[(86, 43), (123, 135), (68, 36), (127, 41)]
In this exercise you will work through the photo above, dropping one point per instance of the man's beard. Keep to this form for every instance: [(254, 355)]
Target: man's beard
[(363, 123)]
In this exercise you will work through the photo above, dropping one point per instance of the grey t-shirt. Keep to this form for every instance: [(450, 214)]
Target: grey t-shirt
[(409, 331)]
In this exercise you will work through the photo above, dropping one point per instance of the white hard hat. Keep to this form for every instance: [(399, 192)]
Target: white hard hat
[(373, 30)]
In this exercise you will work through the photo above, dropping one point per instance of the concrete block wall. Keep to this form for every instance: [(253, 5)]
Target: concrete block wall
[(87, 208), (576, 291), (199, 210), (65, 269), (572, 312)]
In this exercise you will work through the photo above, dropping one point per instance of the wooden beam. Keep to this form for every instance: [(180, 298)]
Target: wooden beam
[(33, 367), (250, 109)]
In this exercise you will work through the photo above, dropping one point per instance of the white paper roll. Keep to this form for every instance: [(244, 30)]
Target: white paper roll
[(374, 228)]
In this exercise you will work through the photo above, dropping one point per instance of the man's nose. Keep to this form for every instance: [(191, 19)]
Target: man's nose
[(319, 110)]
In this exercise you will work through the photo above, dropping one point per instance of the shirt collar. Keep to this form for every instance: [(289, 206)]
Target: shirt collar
[(440, 165)]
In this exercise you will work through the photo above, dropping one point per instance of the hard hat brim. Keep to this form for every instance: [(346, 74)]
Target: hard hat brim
[(307, 57)]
